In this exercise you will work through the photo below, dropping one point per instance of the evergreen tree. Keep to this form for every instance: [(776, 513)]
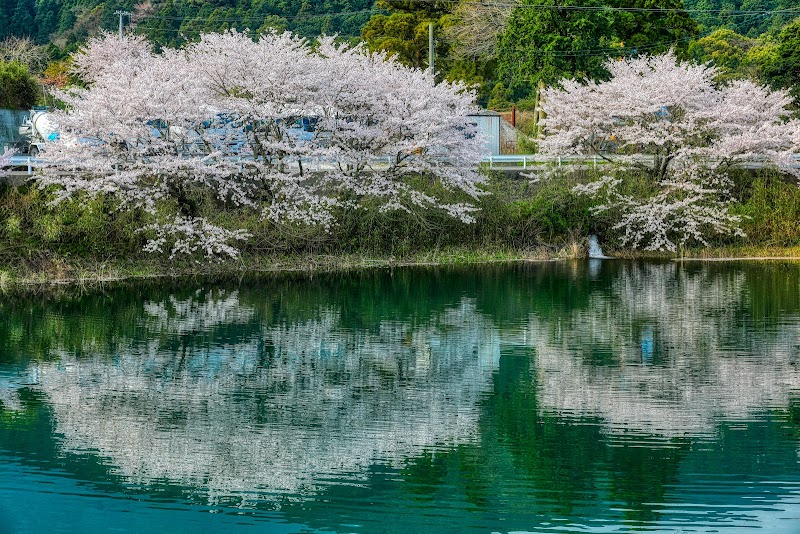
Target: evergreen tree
[(784, 71), (404, 31), (547, 40), (23, 22), (550, 43), (47, 17), (6, 17), (652, 32)]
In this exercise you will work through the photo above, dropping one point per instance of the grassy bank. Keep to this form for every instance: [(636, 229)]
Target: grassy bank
[(58, 271), (88, 241)]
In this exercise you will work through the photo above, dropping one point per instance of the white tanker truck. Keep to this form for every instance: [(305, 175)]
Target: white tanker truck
[(38, 130)]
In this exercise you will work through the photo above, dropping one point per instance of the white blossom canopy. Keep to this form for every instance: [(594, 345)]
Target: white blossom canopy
[(290, 131), (671, 122)]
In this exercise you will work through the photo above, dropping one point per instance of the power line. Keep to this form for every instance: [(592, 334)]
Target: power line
[(598, 52), (540, 7), (264, 18), (547, 7), (751, 14)]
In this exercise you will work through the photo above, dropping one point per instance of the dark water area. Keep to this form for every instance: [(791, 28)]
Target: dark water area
[(603, 396)]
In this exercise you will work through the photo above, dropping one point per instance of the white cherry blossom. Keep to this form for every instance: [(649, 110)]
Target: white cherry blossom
[(671, 123), (289, 131)]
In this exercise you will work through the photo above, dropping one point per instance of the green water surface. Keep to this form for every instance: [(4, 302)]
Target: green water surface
[(603, 396)]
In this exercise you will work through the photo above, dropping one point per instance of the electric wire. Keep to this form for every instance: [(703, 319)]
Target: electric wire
[(751, 15), (519, 5)]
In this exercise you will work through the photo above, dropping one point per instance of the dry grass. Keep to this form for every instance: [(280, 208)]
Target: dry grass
[(57, 271)]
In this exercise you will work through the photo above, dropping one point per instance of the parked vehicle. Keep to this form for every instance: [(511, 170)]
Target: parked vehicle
[(38, 130)]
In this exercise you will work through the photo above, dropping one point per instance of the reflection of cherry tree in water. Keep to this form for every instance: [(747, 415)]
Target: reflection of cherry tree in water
[(667, 351), (276, 411), (302, 392), (196, 314)]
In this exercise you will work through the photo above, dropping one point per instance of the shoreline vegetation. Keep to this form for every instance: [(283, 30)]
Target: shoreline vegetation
[(297, 178), (77, 272), (66, 272), (90, 242)]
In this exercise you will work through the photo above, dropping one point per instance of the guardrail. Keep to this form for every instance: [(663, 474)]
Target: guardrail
[(526, 161), (498, 162), (27, 163), (532, 161)]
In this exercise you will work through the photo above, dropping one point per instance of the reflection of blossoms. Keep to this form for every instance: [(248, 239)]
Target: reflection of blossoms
[(210, 397), (9, 396), (657, 355), (197, 313), (280, 411)]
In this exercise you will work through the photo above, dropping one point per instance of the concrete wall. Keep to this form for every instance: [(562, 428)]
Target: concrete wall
[(489, 126), (10, 121)]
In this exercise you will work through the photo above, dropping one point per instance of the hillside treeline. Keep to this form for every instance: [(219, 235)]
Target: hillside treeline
[(506, 49)]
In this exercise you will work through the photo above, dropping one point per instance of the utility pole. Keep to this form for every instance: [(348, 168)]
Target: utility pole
[(430, 48), (121, 14)]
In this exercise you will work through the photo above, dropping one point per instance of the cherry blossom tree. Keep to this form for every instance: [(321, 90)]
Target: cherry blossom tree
[(668, 121), (271, 125), (5, 159)]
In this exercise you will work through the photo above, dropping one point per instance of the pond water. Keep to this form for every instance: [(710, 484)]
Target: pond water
[(600, 396)]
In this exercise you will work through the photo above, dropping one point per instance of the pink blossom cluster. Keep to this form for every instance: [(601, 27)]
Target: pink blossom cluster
[(5, 159), (292, 132), (671, 122)]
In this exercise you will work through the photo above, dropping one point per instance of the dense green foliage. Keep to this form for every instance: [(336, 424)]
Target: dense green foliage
[(714, 14), (402, 32), (784, 70), (735, 55), (771, 207), (771, 59), (17, 17), (550, 44), (175, 21), (540, 40), (18, 89), (68, 22), (518, 217)]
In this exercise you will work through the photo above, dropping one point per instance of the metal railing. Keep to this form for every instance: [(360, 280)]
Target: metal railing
[(21, 161), (526, 161), (496, 162)]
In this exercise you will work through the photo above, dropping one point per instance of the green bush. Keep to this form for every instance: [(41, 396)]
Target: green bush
[(18, 89), (771, 206), (515, 215)]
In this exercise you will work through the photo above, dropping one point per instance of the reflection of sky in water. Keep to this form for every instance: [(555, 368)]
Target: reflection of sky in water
[(525, 404)]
